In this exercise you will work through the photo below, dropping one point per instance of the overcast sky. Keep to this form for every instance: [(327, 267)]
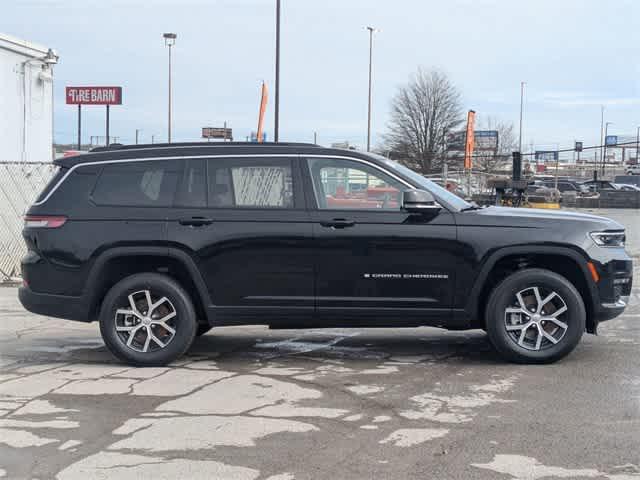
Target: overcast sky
[(575, 55)]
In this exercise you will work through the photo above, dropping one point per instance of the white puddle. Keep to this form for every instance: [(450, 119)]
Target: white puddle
[(407, 437), (520, 467), (441, 408), (240, 394), (195, 433), (138, 467), (365, 389)]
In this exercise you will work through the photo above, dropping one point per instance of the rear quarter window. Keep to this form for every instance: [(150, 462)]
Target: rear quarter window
[(56, 174), (142, 184)]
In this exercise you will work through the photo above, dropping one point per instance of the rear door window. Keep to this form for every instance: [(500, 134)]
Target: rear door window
[(250, 183), (142, 184)]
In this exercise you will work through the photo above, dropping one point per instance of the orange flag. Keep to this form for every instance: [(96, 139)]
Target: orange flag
[(263, 108)]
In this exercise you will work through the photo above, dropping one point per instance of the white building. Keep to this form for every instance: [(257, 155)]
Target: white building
[(26, 100)]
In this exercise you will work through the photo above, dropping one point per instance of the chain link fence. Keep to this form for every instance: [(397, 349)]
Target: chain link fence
[(20, 184)]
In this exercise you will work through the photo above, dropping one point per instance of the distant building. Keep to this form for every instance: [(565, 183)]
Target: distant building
[(26, 100)]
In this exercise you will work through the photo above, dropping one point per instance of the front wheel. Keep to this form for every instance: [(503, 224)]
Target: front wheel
[(535, 316), (147, 319)]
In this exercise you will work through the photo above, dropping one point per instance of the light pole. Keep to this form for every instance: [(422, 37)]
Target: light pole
[(604, 156), (637, 145), (522, 84), (371, 30), (601, 135), (276, 107), (169, 41)]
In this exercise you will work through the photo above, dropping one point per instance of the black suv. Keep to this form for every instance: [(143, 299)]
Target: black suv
[(159, 243)]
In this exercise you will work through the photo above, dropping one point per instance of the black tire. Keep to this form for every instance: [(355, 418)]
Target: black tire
[(202, 329), (503, 297), (183, 322)]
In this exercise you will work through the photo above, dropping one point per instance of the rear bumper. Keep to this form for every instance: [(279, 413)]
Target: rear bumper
[(59, 306)]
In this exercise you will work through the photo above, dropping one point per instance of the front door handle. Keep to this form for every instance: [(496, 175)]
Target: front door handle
[(195, 221), (338, 223)]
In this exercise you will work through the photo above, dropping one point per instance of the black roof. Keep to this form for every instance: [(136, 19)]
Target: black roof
[(189, 149), (120, 146)]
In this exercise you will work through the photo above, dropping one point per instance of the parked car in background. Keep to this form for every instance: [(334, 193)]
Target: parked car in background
[(628, 180), (633, 170), (566, 186), (628, 188), (599, 185)]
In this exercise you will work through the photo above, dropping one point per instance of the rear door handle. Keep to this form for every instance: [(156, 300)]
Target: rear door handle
[(338, 223), (195, 221)]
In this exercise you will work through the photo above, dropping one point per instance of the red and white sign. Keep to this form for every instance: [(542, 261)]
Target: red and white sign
[(94, 95)]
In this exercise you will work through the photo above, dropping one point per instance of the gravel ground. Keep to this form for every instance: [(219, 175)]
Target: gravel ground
[(250, 403)]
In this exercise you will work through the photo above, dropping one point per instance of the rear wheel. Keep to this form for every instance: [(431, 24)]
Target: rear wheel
[(147, 319), (535, 316)]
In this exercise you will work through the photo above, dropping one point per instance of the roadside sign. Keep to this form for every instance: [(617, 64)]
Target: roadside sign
[(217, 132), (578, 146), (611, 140), (483, 140), (546, 155), (93, 95)]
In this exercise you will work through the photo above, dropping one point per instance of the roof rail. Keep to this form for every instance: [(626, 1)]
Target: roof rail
[(120, 146)]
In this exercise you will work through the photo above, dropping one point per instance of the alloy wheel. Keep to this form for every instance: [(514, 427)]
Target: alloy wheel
[(536, 318), (147, 323)]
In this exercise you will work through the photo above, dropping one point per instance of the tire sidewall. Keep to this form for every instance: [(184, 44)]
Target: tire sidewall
[(503, 296), (159, 285)]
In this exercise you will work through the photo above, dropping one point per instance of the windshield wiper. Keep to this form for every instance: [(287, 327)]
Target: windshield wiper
[(471, 207)]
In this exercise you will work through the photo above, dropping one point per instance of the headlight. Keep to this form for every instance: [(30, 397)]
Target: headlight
[(608, 239)]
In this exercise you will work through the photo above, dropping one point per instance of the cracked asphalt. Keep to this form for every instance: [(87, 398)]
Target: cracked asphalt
[(251, 403)]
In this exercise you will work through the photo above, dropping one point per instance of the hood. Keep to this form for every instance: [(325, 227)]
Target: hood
[(538, 217)]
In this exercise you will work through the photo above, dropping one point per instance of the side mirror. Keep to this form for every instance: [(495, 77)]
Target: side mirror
[(419, 201)]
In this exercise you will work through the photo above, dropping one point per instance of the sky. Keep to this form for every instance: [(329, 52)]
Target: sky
[(574, 55)]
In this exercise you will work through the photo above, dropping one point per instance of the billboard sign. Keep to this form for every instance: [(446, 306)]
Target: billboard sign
[(217, 132), (486, 140), (93, 95), (546, 155), (611, 140)]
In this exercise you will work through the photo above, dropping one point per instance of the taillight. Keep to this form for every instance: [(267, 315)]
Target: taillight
[(44, 221)]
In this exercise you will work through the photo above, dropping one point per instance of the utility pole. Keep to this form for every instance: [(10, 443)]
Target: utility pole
[(604, 158), (169, 41), (521, 110), (371, 30), (315, 138), (137, 133), (637, 145), (276, 107), (601, 134), (153, 139)]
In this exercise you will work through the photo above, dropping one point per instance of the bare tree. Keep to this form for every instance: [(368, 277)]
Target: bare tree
[(423, 113), (492, 160)]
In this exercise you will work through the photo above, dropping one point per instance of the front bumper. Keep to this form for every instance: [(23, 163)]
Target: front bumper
[(614, 287), (59, 306)]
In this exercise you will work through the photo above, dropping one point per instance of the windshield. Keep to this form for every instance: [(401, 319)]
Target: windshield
[(436, 190)]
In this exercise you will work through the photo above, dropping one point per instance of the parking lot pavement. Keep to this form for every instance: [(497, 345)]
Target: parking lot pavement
[(253, 403)]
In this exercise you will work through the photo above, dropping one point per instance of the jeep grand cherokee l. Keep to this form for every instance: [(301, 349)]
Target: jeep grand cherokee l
[(159, 243)]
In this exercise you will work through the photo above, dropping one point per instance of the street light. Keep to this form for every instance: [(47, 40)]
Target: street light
[(371, 30), (637, 145), (276, 107), (169, 41), (604, 155), (522, 84)]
